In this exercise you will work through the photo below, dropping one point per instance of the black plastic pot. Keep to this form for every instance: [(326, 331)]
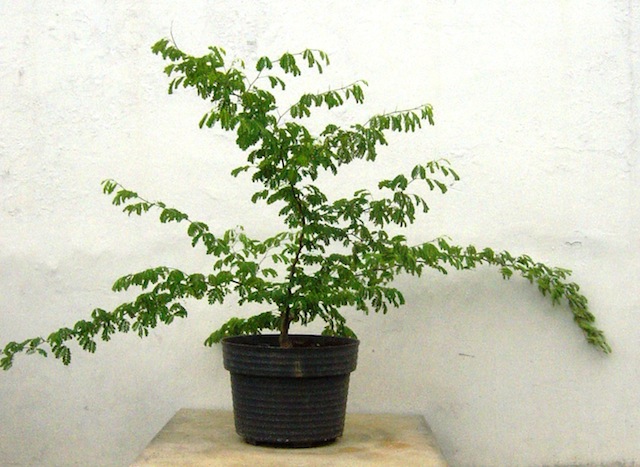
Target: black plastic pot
[(293, 397)]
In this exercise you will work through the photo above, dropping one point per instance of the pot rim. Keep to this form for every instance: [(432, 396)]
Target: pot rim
[(247, 340)]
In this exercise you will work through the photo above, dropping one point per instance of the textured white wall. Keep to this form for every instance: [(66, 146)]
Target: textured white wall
[(537, 107)]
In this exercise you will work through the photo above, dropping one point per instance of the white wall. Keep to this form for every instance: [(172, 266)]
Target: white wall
[(537, 107)]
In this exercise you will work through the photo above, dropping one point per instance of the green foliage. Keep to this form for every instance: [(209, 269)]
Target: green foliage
[(333, 254)]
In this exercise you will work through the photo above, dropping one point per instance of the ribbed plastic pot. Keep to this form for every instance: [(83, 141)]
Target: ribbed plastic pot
[(289, 397)]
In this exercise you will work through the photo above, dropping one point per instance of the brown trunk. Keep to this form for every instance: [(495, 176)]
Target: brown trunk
[(284, 340)]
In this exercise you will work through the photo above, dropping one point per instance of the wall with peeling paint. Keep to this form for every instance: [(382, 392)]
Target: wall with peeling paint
[(536, 106)]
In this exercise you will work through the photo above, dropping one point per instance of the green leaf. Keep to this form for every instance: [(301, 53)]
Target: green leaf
[(264, 62), (108, 186)]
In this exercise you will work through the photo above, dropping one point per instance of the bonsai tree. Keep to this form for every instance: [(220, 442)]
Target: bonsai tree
[(332, 254)]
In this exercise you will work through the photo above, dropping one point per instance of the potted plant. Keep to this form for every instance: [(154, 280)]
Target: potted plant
[(332, 253)]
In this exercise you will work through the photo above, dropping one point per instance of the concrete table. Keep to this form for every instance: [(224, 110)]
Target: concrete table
[(198, 437)]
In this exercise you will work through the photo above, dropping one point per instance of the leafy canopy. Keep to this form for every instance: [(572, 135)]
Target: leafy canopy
[(333, 253)]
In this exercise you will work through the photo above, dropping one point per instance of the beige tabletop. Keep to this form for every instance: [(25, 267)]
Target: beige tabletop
[(200, 437)]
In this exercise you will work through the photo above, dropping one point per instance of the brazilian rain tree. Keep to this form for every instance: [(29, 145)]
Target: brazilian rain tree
[(332, 255)]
